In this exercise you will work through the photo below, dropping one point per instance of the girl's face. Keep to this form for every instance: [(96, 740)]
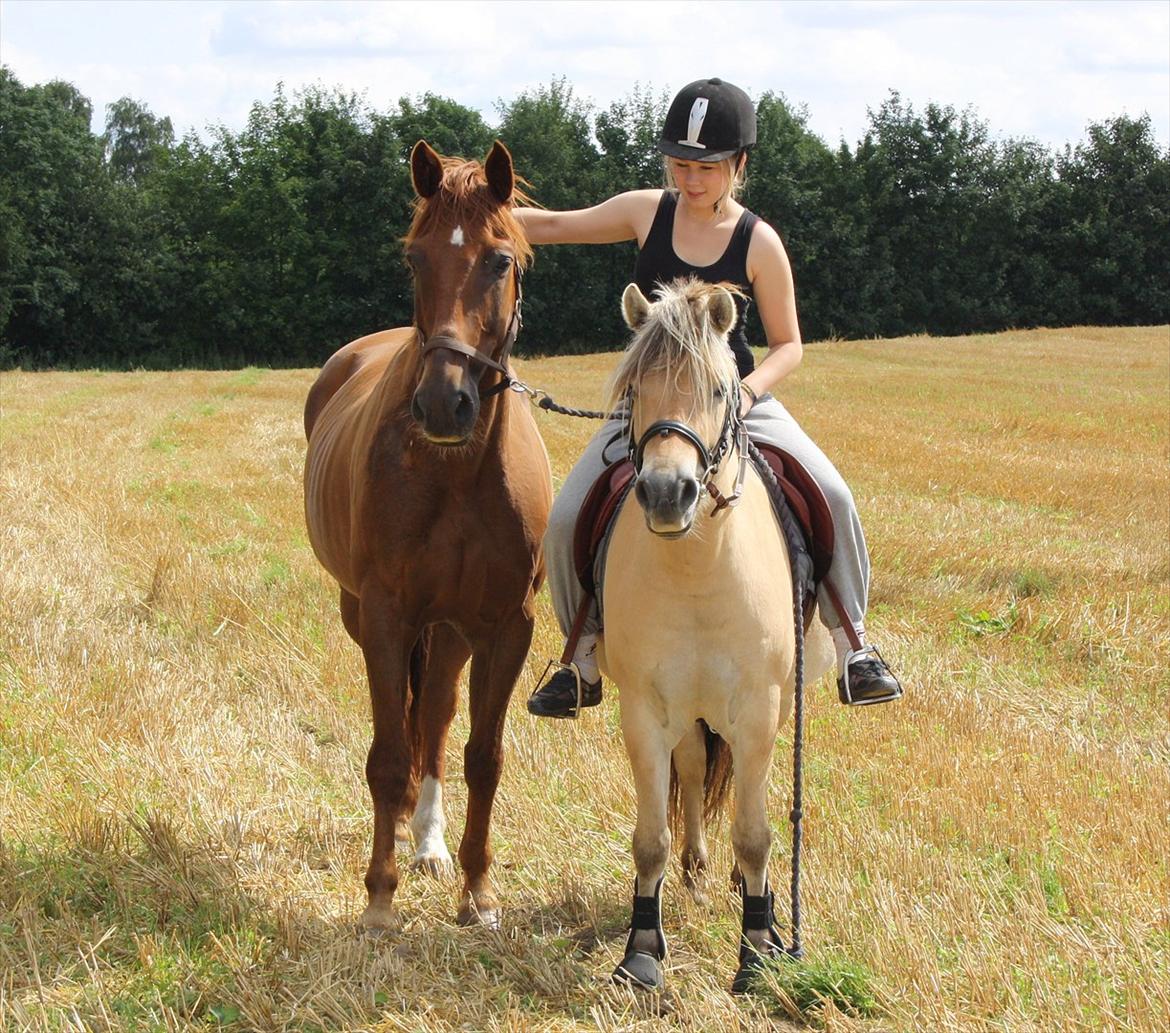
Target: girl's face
[(701, 184)]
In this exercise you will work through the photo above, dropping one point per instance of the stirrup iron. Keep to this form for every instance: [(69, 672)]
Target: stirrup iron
[(572, 668), (845, 690)]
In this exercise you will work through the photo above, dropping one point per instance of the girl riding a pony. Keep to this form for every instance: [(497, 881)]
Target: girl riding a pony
[(697, 228)]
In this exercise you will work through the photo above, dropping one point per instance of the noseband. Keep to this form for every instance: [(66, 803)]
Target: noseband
[(499, 363), (733, 429)]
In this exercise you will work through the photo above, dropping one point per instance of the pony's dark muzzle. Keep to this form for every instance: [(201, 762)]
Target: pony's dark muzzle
[(668, 500), (446, 402)]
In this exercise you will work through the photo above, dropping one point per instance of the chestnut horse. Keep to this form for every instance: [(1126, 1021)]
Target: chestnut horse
[(699, 623), (427, 492)]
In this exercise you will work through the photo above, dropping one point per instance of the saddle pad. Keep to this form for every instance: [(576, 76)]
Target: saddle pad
[(597, 512), (807, 502)]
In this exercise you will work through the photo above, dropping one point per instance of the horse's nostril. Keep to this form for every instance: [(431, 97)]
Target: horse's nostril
[(688, 493), (416, 409), (464, 408), (640, 493)]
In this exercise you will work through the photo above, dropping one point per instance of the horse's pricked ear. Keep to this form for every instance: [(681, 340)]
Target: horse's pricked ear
[(635, 307), (501, 179), (426, 170), (721, 309)]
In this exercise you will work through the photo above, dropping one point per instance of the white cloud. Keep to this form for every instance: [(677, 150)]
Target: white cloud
[(1036, 69)]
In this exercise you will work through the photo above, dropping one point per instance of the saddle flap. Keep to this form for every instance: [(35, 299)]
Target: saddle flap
[(597, 512), (807, 502)]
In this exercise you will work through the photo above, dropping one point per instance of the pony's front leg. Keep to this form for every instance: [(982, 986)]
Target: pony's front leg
[(386, 643), (751, 839), (496, 663), (690, 765), (649, 754)]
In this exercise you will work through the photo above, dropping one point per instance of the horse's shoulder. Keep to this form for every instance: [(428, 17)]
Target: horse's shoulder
[(369, 354)]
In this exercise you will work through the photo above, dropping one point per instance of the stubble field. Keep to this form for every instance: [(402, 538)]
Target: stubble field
[(184, 821)]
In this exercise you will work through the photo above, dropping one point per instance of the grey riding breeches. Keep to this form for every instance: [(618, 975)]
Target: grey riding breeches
[(768, 421)]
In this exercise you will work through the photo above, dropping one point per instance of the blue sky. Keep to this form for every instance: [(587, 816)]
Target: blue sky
[(1036, 69)]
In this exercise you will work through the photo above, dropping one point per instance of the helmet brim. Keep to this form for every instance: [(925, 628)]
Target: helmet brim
[(687, 152)]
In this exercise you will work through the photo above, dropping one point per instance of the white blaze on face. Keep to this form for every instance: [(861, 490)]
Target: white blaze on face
[(427, 823), (457, 236)]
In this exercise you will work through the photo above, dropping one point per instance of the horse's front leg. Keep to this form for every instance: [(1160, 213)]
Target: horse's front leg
[(386, 643), (443, 656), (649, 754), (751, 838), (496, 663)]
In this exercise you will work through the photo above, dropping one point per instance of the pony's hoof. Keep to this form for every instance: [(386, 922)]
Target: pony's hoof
[(488, 917), (640, 971), (439, 866)]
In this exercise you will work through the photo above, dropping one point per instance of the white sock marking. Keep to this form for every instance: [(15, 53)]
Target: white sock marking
[(457, 236), (427, 823)]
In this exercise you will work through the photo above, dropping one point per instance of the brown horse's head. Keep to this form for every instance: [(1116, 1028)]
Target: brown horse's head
[(466, 252)]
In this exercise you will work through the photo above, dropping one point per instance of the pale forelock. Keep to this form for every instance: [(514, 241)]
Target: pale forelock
[(678, 339)]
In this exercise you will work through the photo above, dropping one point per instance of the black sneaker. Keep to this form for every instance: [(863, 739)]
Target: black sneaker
[(557, 697), (867, 679)]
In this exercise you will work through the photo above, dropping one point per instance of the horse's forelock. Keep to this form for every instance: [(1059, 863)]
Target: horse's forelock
[(678, 340), (465, 199)]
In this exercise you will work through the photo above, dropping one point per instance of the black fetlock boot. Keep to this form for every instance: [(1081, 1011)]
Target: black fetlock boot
[(640, 969), (758, 915)]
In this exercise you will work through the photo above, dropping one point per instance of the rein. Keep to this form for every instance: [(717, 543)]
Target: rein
[(515, 323)]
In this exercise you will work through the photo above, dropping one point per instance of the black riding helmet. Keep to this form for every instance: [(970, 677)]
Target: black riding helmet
[(709, 120)]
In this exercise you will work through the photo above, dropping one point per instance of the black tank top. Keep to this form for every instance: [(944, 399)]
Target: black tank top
[(658, 264)]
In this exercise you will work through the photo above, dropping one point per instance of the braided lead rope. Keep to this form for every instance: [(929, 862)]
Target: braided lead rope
[(795, 541), (542, 400)]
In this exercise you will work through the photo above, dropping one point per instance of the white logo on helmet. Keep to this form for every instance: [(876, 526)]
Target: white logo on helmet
[(695, 124)]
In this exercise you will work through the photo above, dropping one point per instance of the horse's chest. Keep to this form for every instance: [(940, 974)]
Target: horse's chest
[(445, 556)]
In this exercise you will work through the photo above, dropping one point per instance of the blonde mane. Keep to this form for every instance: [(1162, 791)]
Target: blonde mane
[(465, 199), (677, 338)]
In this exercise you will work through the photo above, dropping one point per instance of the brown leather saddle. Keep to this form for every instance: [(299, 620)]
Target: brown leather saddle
[(803, 495)]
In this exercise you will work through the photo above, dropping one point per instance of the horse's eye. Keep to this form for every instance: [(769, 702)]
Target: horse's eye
[(499, 263)]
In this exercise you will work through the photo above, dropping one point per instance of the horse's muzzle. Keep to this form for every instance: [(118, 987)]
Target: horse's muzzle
[(668, 500), (446, 402)]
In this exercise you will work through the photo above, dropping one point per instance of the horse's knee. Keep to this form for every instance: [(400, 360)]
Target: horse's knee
[(651, 849), (752, 846), (387, 775)]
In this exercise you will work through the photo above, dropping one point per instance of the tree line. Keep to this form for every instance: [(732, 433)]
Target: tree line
[(275, 244)]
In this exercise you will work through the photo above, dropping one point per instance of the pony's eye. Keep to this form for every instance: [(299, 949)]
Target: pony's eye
[(499, 263)]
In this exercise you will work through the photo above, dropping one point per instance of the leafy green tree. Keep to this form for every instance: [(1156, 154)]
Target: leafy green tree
[(449, 127), (134, 138), (569, 305), (52, 221), (1118, 185)]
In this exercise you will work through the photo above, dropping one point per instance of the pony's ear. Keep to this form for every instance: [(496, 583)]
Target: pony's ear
[(426, 170), (500, 176), (635, 307), (721, 309)]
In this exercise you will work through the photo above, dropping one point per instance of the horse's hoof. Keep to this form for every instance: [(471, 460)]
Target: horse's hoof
[(640, 971), (378, 921), (440, 866), (469, 914)]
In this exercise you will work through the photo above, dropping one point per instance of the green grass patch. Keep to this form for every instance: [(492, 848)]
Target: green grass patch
[(984, 622), (801, 989)]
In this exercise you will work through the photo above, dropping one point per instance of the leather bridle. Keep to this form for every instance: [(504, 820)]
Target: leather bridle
[(497, 362), (734, 429)]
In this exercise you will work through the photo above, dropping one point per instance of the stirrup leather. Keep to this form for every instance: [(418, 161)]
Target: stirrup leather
[(559, 665)]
